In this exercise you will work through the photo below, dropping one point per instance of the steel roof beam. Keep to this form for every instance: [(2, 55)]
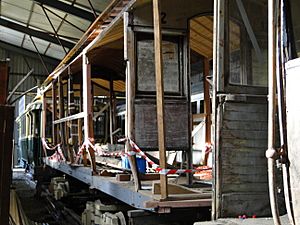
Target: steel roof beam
[(68, 9), (27, 53), (34, 33)]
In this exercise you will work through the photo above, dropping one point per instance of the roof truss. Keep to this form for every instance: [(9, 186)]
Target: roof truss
[(68, 9), (35, 33)]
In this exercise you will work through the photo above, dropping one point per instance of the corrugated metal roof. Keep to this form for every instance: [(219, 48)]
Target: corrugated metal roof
[(32, 15)]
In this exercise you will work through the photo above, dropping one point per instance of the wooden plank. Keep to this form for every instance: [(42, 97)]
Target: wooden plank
[(207, 108), (149, 176), (160, 95), (240, 134), (198, 116), (191, 196), (246, 107), (234, 202), (3, 82), (240, 143), (245, 187), (71, 103), (123, 177), (179, 204), (172, 189), (61, 109), (6, 145), (237, 178), (69, 118), (44, 121), (87, 108), (230, 168), (134, 169), (13, 207), (73, 141), (79, 125), (245, 116), (112, 115), (54, 115), (129, 55), (245, 125), (44, 115), (239, 155)]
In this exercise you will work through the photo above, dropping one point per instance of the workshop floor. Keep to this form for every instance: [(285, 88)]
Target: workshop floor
[(250, 221)]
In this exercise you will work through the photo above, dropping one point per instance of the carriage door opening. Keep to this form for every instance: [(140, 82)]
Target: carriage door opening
[(201, 53)]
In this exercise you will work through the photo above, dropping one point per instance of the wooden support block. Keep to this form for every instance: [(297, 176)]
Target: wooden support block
[(172, 189), (123, 177), (149, 176), (138, 213), (179, 204)]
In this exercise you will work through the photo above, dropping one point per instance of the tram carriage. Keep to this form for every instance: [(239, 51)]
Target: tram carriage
[(221, 49), (29, 128)]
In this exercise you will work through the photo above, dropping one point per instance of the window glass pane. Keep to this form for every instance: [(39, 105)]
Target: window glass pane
[(146, 65), (196, 65), (235, 53), (248, 47)]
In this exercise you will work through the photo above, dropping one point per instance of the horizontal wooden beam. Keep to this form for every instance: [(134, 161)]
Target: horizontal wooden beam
[(179, 204), (69, 118)]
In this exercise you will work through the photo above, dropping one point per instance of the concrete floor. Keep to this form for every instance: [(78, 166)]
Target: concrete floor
[(250, 221)]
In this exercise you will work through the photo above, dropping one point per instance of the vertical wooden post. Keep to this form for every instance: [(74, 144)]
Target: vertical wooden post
[(80, 125), (71, 111), (61, 115), (44, 120), (44, 116), (111, 110), (3, 82), (218, 86), (87, 107), (129, 56), (6, 146), (54, 113), (207, 108), (160, 96)]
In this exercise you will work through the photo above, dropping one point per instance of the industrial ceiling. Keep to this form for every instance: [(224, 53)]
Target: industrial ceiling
[(48, 27)]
